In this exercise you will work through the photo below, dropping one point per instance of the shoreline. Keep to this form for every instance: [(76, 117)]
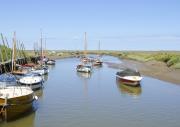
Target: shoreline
[(154, 69)]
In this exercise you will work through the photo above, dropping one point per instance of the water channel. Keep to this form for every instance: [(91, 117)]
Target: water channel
[(71, 99)]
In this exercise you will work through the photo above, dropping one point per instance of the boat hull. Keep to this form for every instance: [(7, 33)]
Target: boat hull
[(34, 83), (85, 69), (35, 86), (18, 106), (128, 82), (97, 64), (51, 62)]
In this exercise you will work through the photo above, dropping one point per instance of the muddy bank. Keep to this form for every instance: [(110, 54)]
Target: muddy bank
[(155, 69)]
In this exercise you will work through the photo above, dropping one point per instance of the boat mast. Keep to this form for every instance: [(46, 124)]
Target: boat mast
[(44, 46), (85, 45), (9, 53), (2, 59), (14, 52), (41, 49), (4, 50), (99, 47)]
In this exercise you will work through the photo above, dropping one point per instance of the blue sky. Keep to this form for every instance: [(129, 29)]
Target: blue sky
[(118, 24)]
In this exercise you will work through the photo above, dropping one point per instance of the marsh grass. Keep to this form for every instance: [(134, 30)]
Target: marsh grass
[(171, 58)]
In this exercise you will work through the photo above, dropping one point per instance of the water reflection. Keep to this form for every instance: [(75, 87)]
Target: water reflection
[(84, 75), (39, 93), (45, 77), (98, 66), (51, 67), (28, 121), (130, 90)]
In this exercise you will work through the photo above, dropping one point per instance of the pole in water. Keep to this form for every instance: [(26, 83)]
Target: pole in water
[(5, 113)]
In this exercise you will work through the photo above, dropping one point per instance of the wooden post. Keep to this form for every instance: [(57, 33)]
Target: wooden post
[(5, 111)]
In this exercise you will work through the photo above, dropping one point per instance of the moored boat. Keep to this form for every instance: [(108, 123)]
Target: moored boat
[(33, 80), (42, 70), (129, 77), (7, 79), (97, 62), (20, 71), (16, 100), (84, 68), (51, 62)]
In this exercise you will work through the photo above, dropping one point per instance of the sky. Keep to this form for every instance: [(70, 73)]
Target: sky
[(117, 24)]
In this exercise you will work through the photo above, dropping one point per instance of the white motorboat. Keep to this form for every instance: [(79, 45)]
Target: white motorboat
[(129, 77)]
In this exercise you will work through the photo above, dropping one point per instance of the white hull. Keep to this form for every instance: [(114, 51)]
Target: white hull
[(85, 69), (130, 80), (35, 82), (50, 62), (41, 72)]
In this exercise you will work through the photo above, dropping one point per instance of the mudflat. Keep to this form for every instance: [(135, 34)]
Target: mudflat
[(155, 69)]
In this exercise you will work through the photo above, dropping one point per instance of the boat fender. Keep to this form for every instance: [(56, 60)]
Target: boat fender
[(36, 97)]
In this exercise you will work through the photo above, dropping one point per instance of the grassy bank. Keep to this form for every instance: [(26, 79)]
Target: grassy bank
[(171, 58), (58, 54)]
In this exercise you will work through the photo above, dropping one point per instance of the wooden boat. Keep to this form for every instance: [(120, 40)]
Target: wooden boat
[(20, 72), (29, 65), (33, 80), (16, 100), (129, 77), (84, 68)]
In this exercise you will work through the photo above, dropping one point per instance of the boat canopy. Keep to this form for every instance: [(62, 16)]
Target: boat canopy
[(128, 72), (7, 78)]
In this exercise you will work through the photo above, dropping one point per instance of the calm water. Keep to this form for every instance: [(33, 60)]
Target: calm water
[(71, 99)]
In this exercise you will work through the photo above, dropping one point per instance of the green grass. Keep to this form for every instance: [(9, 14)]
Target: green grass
[(176, 66), (171, 58)]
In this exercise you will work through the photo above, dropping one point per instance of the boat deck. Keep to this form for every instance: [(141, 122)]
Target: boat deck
[(14, 91)]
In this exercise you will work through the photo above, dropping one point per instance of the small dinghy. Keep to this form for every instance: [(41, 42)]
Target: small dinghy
[(129, 77)]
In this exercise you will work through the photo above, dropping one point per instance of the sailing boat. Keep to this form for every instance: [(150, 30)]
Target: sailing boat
[(16, 100), (85, 59), (49, 61), (20, 70), (42, 70), (84, 67), (97, 61)]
